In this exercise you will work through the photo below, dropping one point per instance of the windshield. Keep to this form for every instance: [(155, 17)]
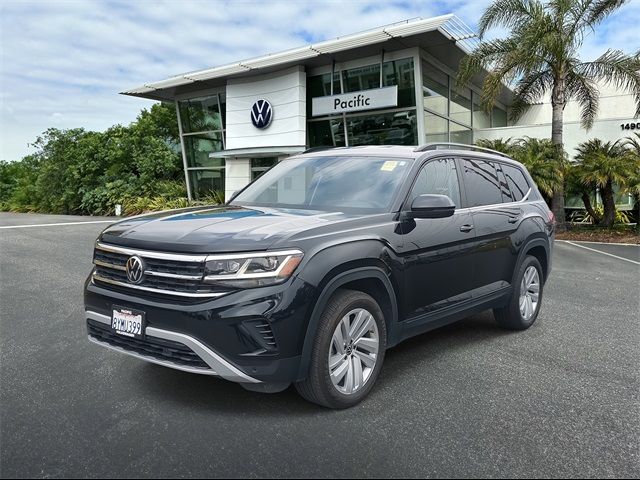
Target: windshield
[(328, 183)]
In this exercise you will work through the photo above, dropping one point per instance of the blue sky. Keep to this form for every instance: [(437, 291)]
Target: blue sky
[(64, 62)]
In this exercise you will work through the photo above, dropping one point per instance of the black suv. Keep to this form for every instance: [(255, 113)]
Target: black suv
[(310, 273)]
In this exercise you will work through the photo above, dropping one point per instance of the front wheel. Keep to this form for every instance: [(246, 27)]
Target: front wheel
[(524, 305), (348, 351)]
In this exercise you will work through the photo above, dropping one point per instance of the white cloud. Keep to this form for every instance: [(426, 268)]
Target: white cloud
[(63, 62)]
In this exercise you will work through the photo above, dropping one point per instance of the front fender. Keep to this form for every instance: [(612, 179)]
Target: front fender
[(334, 267)]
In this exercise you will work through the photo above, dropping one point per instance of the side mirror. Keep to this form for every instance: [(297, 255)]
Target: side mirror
[(432, 206)]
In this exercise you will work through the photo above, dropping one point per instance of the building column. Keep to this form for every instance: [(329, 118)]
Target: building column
[(237, 175)]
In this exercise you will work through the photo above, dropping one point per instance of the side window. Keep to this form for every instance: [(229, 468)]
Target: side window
[(481, 182), (438, 177), (517, 182), (504, 187)]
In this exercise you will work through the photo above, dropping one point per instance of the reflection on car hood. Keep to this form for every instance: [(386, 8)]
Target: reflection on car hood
[(219, 229)]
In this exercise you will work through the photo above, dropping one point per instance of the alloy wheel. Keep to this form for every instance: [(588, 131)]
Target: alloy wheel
[(529, 292), (354, 351)]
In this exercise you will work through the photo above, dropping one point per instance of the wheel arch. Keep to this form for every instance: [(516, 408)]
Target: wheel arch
[(538, 246), (372, 280)]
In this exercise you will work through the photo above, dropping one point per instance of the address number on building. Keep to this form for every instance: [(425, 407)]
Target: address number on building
[(630, 126)]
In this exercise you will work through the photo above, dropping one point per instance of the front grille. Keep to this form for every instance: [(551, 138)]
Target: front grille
[(158, 348), (165, 274)]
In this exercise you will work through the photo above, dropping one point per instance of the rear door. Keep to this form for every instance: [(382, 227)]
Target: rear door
[(496, 217), (437, 251)]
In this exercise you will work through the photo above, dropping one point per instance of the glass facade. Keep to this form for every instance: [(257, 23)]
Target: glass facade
[(452, 113), (436, 128), (205, 181), (202, 123), (481, 119), (460, 106), (329, 132), (261, 165), (448, 114), (397, 126)]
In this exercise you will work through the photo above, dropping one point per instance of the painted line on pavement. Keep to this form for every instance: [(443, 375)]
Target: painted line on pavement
[(600, 251), (56, 224), (603, 243)]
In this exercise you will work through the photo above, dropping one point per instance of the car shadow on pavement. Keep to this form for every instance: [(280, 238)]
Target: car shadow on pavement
[(207, 393)]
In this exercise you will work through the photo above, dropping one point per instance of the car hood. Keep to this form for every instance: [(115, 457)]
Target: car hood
[(220, 229)]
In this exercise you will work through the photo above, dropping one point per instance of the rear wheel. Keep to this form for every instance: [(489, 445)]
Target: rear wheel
[(524, 305), (348, 351)]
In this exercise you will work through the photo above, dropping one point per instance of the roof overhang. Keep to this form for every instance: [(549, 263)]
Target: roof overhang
[(258, 152), (445, 37)]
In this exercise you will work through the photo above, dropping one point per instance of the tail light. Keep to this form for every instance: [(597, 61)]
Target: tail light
[(552, 218)]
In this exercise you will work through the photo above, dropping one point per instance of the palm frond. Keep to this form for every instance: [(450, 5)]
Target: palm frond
[(600, 10), (508, 13), (617, 68), (584, 91), (540, 156), (528, 90), (505, 146), (600, 163)]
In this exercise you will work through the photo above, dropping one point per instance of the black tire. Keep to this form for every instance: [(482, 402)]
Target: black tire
[(318, 387), (509, 316)]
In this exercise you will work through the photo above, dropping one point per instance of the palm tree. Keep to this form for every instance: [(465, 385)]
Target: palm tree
[(603, 164), (499, 144), (541, 56), (540, 158), (633, 145)]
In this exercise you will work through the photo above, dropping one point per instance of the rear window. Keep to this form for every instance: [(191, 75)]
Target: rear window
[(517, 182)]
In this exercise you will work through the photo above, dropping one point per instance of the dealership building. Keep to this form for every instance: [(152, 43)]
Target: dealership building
[(390, 85)]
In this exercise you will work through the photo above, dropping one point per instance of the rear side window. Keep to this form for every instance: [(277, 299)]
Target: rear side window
[(482, 183), (504, 187), (517, 182), (438, 177)]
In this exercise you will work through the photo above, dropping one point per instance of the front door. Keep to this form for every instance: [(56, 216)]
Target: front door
[(438, 252)]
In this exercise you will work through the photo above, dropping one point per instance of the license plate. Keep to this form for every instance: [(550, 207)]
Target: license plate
[(127, 322)]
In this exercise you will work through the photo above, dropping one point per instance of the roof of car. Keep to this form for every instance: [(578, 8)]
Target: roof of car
[(410, 151)]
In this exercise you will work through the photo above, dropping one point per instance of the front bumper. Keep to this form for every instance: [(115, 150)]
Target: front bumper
[(215, 364), (253, 336)]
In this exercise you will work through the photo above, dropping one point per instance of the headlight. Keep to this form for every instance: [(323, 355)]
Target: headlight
[(251, 269)]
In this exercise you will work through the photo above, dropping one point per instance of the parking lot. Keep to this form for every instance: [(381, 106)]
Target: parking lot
[(559, 400)]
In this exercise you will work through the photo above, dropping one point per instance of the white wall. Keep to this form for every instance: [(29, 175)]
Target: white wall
[(574, 134), (237, 175), (285, 91), (615, 108)]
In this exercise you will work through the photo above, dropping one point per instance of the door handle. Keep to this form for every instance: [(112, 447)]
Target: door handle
[(513, 219), (466, 228)]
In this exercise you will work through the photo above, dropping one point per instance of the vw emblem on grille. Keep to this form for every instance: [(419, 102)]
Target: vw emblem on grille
[(135, 269), (261, 114)]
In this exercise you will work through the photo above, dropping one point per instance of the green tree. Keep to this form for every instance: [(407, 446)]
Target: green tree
[(633, 145), (499, 144), (76, 171), (540, 55), (540, 156), (603, 164)]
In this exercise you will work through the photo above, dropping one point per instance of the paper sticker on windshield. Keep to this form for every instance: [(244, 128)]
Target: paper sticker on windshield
[(388, 166)]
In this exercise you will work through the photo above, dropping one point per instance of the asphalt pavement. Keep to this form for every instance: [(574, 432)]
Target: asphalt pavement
[(559, 400)]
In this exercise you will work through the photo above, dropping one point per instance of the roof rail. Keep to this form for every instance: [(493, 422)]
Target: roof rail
[(461, 146)]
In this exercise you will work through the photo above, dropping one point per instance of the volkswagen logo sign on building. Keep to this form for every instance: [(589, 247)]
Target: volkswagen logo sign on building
[(261, 114), (135, 269)]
